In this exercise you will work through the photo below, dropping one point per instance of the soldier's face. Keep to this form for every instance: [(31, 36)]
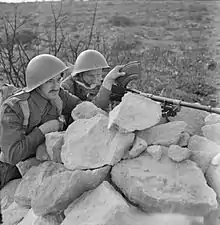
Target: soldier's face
[(50, 89), (93, 77)]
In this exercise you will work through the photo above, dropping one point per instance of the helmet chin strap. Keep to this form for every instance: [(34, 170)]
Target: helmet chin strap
[(40, 92), (85, 84), (91, 87)]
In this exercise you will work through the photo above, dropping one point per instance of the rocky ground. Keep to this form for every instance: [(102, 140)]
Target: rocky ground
[(127, 167)]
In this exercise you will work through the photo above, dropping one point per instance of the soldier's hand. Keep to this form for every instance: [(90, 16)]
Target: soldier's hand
[(50, 126), (112, 76)]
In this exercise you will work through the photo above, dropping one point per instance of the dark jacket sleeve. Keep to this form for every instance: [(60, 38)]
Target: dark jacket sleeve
[(69, 102), (15, 143), (102, 99)]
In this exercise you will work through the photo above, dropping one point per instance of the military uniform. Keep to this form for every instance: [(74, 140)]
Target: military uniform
[(75, 87), (6, 91), (90, 60), (7, 172), (19, 142), (19, 131)]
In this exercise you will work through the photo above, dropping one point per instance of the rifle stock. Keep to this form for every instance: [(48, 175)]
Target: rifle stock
[(176, 102)]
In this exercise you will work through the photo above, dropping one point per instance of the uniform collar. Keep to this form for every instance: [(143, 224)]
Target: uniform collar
[(86, 86), (39, 100)]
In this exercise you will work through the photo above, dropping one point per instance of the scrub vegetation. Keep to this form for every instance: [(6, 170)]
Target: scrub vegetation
[(170, 38)]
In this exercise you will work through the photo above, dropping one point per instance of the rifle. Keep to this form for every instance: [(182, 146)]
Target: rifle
[(169, 106)]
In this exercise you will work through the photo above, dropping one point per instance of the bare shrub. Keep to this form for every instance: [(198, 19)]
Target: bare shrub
[(26, 36), (174, 73)]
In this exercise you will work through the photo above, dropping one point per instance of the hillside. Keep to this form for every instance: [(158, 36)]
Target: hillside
[(171, 38)]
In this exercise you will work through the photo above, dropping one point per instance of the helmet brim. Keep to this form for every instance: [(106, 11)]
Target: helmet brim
[(74, 73), (28, 89)]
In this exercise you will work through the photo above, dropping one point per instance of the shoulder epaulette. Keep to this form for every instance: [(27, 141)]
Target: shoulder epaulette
[(22, 95), (21, 98), (17, 97)]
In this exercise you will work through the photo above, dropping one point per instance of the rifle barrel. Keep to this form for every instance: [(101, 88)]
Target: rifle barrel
[(176, 102)]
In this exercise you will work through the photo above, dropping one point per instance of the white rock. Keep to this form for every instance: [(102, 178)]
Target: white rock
[(212, 218), (135, 112), (216, 160), (163, 120), (139, 146), (212, 132), (164, 186), (164, 134), (155, 151), (213, 178), (24, 166), (32, 219), (33, 178), (135, 217), (41, 153), (49, 219), (14, 214), (29, 218), (58, 191), (212, 119), (2, 155), (203, 151), (178, 154), (54, 142), (89, 144), (86, 110), (194, 119), (96, 207), (184, 139), (7, 193)]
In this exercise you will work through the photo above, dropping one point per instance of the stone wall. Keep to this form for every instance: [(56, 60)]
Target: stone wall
[(127, 167)]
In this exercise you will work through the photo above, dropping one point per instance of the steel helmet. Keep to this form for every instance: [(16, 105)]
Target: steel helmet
[(89, 60), (41, 69)]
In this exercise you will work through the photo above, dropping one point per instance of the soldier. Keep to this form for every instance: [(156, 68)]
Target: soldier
[(87, 76), (42, 107)]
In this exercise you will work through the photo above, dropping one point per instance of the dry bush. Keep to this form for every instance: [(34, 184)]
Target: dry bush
[(121, 21), (175, 73)]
